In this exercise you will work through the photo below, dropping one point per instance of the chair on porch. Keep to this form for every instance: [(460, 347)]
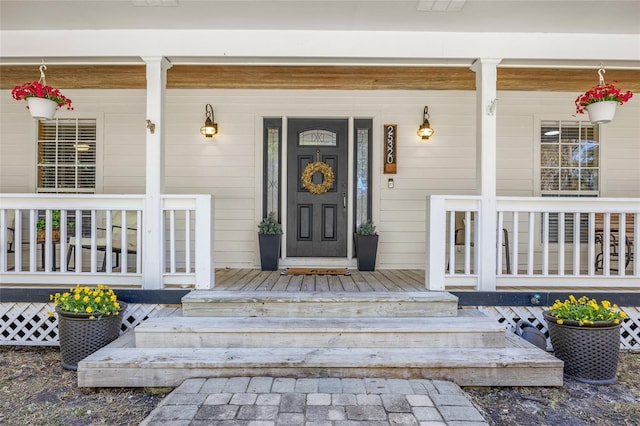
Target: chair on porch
[(116, 239), (11, 231), (614, 239), (459, 239)]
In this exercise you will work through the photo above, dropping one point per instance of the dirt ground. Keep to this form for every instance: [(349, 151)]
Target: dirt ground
[(573, 404), (36, 390)]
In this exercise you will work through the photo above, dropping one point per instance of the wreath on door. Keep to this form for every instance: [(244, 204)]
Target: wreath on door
[(327, 177)]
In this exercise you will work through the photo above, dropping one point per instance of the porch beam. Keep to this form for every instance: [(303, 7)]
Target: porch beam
[(486, 253), (152, 219)]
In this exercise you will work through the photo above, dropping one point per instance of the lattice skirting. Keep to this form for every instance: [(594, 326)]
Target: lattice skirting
[(30, 324), (510, 315)]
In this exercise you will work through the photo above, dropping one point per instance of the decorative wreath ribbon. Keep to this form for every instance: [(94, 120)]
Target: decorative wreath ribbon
[(327, 174)]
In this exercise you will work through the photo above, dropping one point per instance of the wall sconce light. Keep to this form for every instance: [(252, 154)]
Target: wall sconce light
[(210, 129), (425, 131)]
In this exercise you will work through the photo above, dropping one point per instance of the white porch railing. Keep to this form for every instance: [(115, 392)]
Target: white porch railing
[(103, 241), (541, 243)]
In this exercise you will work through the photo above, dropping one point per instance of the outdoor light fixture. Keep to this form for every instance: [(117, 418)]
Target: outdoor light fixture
[(210, 129), (425, 131)]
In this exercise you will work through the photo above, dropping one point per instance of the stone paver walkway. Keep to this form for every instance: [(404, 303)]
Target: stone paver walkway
[(269, 401)]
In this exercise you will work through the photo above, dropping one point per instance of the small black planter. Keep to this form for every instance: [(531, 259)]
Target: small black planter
[(366, 251), (80, 335), (269, 251)]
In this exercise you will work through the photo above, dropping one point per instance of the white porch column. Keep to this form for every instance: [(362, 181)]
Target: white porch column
[(152, 220), (486, 250)]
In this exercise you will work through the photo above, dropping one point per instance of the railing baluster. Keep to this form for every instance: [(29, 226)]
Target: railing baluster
[(576, 243), (467, 242), (636, 243), (515, 242), (17, 240), (32, 240), (545, 243), (499, 242), (591, 245), (139, 242), (78, 240), (187, 241), (4, 240), (561, 237), (606, 245), (172, 241), (530, 245), (622, 243), (452, 242)]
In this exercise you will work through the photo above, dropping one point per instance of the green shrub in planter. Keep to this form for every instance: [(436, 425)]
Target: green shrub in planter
[(269, 236), (366, 246)]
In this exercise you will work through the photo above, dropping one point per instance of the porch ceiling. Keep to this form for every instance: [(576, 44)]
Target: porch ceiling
[(533, 16)]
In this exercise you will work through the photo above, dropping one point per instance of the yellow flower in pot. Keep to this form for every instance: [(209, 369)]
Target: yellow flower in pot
[(585, 334), (88, 319)]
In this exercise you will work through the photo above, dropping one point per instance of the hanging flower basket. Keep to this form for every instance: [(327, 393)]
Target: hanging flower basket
[(42, 100), (601, 112), (42, 108), (601, 100)]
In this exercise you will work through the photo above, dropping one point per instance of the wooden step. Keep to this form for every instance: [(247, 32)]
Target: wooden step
[(322, 304), (140, 367), (283, 332)]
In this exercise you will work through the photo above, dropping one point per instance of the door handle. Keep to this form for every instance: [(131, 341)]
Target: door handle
[(344, 200)]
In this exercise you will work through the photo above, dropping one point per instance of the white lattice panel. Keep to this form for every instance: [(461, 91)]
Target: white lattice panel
[(510, 315), (29, 324)]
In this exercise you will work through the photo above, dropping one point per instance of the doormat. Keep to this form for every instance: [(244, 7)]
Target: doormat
[(316, 271)]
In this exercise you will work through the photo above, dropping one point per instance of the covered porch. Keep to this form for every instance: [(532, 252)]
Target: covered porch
[(521, 249)]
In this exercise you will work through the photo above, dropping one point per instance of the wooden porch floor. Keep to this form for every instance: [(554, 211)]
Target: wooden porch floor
[(385, 280), (381, 280)]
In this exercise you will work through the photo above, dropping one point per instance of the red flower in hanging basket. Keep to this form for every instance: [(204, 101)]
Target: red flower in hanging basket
[(39, 90), (601, 93)]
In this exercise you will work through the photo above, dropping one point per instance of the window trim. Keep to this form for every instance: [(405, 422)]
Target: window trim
[(99, 161)]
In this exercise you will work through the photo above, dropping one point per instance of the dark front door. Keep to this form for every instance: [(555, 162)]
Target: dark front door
[(317, 223)]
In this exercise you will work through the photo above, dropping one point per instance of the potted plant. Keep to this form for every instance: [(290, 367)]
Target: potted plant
[(41, 226), (88, 319), (585, 334), (600, 102), (269, 232), (366, 246), (42, 100)]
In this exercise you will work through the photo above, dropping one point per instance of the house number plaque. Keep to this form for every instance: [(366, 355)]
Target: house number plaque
[(390, 153)]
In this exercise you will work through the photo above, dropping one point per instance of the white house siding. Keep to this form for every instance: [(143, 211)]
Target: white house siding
[(229, 166)]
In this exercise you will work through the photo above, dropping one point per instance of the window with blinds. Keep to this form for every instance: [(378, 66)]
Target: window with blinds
[(569, 167), (66, 155)]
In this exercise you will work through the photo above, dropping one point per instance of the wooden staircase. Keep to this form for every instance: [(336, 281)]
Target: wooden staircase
[(350, 334)]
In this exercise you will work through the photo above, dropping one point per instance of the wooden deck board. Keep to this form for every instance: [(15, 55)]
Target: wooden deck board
[(256, 280)]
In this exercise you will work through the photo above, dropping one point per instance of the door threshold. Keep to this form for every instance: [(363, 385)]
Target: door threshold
[(318, 262)]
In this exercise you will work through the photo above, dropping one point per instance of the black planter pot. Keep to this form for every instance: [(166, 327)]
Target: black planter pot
[(80, 335), (366, 251), (269, 251), (590, 353)]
